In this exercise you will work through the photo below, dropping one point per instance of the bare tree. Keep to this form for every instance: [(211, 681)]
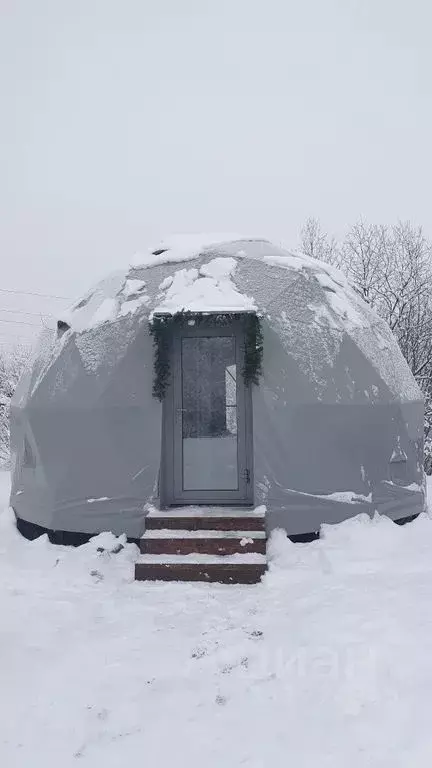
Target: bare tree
[(317, 244), (361, 258), (405, 271), (12, 365), (391, 267)]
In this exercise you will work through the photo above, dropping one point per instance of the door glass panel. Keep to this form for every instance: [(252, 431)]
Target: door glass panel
[(209, 413)]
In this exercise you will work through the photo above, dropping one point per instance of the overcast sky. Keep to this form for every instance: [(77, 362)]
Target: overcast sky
[(123, 120)]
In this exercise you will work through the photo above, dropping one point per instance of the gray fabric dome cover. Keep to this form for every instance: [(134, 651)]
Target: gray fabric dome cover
[(337, 415)]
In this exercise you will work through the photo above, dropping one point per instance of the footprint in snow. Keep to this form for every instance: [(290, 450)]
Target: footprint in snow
[(256, 633), (198, 653), (221, 700)]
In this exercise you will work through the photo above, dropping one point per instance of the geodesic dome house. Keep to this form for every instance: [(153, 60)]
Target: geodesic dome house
[(217, 372)]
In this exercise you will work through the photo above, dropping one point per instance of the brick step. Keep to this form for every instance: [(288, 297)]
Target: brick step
[(173, 542), (237, 569)]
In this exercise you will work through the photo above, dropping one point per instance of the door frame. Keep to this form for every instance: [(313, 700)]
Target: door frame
[(244, 495)]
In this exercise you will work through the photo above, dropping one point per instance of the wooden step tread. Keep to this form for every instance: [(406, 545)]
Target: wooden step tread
[(187, 542), (238, 558), (225, 573), (171, 533), (205, 523)]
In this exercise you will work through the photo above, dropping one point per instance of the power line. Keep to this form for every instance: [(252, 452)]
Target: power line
[(32, 293), (21, 322), (7, 338), (22, 312), (13, 337)]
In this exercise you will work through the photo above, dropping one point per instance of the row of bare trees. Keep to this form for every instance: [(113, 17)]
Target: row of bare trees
[(392, 268)]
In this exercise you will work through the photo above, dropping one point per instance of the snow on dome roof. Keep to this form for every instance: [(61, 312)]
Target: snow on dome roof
[(207, 289), (177, 248), (203, 290), (310, 305), (217, 282)]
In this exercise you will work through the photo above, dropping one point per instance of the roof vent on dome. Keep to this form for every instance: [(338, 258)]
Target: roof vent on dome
[(62, 327)]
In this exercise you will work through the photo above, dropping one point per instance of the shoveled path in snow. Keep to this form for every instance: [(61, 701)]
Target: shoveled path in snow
[(326, 663)]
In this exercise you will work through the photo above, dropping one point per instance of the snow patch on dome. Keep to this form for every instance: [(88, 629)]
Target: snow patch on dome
[(98, 306), (132, 306), (219, 268), (178, 248), (209, 289), (116, 296), (103, 346), (341, 308), (166, 283), (380, 347), (132, 287), (314, 346), (106, 312)]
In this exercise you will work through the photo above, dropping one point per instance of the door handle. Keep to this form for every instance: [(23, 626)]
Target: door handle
[(179, 413)]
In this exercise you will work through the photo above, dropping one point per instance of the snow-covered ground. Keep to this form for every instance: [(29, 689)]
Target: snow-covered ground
[(327, 663)]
